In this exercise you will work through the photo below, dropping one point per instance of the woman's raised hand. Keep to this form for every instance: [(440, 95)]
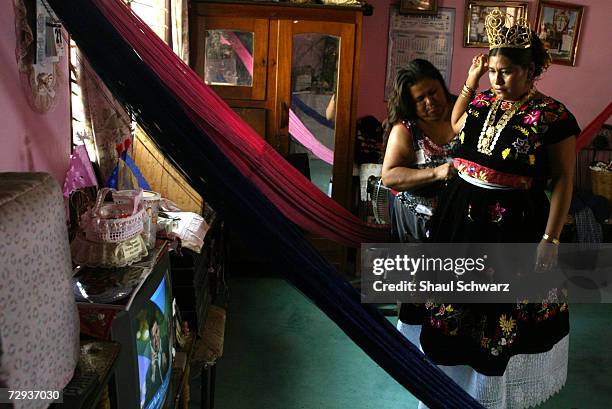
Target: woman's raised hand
[(480, 65)]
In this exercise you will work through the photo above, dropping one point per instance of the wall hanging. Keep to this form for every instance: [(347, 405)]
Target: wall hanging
[(39, 49)]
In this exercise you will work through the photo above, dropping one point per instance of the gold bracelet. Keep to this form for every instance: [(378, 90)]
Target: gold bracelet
[(470, 89), (467, 94), (547, 237)]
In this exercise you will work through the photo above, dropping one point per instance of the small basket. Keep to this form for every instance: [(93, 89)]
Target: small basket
[(601, 183), (112, 223)]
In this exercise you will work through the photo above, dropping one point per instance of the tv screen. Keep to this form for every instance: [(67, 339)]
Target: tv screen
[(144, 328), (151, 332)]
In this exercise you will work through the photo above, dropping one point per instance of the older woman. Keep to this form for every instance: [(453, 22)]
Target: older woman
[(419, 143), (513, 140), (417, 163)]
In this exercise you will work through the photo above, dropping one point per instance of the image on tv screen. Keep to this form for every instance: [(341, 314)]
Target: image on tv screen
[(153, 338)]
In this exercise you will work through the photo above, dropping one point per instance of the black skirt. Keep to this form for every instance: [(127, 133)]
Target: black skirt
[(485, 336)]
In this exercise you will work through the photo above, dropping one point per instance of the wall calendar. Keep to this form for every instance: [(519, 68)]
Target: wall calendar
[(429, 37)]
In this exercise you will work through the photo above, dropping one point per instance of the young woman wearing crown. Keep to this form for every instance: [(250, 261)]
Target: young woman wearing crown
[(513, 139)]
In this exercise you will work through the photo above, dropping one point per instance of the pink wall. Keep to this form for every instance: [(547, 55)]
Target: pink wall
[(29, 141), (585, 89)]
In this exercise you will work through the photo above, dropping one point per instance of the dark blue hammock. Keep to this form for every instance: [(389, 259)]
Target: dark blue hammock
[(244, 207)]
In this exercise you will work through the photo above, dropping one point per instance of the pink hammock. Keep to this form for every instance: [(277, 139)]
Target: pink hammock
[(587, 135)]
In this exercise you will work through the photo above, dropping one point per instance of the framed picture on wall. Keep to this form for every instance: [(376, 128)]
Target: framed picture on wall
[(474, 33), (418, 6), (558, 26)]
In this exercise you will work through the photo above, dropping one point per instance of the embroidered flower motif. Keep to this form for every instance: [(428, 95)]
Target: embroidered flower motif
[(461, 136), (441, 310), (505, 153), (497, 212), (521, 146), (522, 130), (480, 101), (506, 323), (482, 175), (494, 351), (532, 117), (532, 159), (505, 105), (473, 112)]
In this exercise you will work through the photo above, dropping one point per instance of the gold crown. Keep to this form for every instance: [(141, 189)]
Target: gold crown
[(506, 31)]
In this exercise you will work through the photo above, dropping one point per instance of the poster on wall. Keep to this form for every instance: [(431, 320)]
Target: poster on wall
[(429, 37)]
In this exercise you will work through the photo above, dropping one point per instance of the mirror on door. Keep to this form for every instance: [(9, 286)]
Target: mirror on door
[(229, 58), (314, 81)]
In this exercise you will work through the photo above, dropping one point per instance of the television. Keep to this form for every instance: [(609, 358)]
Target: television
[(145, 331)]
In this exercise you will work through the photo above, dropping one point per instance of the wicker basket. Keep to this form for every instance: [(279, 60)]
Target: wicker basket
[(601, 183), (113, 223)]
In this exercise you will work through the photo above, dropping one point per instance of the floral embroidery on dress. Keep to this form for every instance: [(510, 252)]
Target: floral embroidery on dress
[(473, 112), (554, 303), (521, 130), (532, 117), (481, 100), (507, 324), (497, 212), (521, 145), (443, 317), (505, 153), (485, 174)]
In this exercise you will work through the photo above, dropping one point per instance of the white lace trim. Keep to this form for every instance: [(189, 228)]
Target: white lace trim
[(529, 379)]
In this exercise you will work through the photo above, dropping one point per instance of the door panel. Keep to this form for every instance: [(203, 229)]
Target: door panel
[(316, 66), (231, 56)]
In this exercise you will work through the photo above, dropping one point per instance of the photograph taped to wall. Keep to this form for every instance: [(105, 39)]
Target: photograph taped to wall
[(429, 37), (474, 33), (558, 26)]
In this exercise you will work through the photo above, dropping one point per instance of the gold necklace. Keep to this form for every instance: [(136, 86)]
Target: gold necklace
[(491, 131)]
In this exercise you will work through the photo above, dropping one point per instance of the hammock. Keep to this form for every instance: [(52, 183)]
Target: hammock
[(192, 132), (587, 135), (294, 195)]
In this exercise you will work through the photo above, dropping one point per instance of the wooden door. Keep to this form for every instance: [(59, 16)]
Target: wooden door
[(230, 55), (316, 61)]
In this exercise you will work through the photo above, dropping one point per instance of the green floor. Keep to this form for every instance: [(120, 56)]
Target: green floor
[(281, 352)]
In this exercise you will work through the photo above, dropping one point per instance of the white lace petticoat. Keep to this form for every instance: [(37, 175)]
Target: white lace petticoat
[(529, 379)]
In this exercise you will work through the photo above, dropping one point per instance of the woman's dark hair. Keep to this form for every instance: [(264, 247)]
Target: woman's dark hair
[(524, 57), (401, 106)]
